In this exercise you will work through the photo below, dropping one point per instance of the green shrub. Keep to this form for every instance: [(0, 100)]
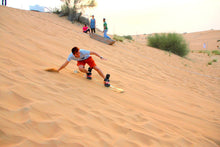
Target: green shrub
[(209, 53), (56, 11), (216, 52), (65, 9), (129, 37), (205, 51), (214, 60), (171, 42), (210, 63), (122, 38), (118, 38)]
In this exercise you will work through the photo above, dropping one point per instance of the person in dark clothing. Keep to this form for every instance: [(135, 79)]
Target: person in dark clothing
[(4, 2)]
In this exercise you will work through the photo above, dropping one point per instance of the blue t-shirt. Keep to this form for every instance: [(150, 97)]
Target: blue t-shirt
[(84, 54), (92, 23)]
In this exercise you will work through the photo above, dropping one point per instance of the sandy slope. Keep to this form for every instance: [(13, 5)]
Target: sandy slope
[(168, 100)]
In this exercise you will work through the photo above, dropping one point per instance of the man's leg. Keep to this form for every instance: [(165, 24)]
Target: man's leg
[(88, 73), (82, 69), (105, 34), (99, 71), (106, 79)]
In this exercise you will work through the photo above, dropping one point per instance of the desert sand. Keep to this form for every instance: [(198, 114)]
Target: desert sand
[(167, 101)]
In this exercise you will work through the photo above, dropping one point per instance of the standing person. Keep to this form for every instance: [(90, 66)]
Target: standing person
[(4, 2), (105, 29), (204, 45), (84, 57), (92, 24)]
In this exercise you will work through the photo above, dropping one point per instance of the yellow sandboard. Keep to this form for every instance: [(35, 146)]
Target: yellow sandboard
[(116, 89)]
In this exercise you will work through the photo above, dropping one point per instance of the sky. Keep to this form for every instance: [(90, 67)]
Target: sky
[(132, 17), (24, 4)]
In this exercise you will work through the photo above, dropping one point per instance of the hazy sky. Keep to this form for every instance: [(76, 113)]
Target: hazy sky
[(128, 17), (24, 4), (150, 16)]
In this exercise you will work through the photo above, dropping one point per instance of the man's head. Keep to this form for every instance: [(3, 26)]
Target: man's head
[(103, 19), (76, 52)]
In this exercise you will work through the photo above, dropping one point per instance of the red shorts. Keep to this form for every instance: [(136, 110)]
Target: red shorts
[(89, 61)]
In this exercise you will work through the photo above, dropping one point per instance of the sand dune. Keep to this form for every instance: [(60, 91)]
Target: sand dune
[(168, 100)]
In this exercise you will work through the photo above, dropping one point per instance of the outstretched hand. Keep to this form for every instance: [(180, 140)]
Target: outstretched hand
[(51, 70), (103, 58)]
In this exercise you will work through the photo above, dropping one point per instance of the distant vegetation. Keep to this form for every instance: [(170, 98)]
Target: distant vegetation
[(214, 60), (208, 52), (56, 11), (171, 42), (129, 37), (122, 38), (74, 8), (118, 38), (216, 52)]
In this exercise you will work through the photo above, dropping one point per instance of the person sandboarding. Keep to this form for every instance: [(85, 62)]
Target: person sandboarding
[(84, 57)]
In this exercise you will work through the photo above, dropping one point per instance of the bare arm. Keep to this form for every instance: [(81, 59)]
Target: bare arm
[(63, 66), (94, 53)]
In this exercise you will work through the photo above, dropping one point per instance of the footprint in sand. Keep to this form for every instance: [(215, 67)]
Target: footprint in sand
[(12, 100), (9, 140), (17, 116), (45, 130)]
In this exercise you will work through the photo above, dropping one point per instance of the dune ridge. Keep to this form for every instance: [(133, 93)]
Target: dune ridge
[(168, 100)]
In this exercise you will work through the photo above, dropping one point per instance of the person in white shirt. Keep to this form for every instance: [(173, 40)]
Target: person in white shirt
[(84, 57)]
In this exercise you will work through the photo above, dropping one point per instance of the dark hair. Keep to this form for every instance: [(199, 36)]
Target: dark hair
[(75, 50)]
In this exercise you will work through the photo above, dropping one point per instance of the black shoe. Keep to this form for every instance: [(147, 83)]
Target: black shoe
[(106, 80), (90, 70), (89, 75)]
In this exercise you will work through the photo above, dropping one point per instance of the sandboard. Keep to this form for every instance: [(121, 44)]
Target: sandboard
[(102, 39), (116, 89)]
